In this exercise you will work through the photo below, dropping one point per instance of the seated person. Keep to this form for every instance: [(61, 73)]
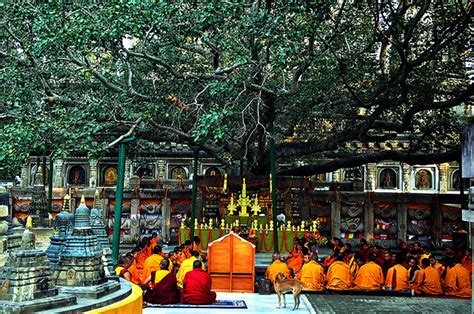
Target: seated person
[(428, 280), (152, 263), (163, 284), (338, 248), (436, 265), (458, 281), (413, 270), (122, 268), (369, 276), (197, 286), (133, 269), (397, 276), (277, 267), (196, 242), (339, 275), (312, 274), (295, 259), (186, 267)]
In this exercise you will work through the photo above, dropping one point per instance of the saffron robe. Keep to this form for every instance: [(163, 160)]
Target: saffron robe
[(397, 278), (458, 282), (428, 282), (164, 289), (152, 264), (186, 267), (339, 276), (275, 268), (312, 276), (369, 277), (197, 288), (440, 268), (135, 274), (120, 271), (295, 262)]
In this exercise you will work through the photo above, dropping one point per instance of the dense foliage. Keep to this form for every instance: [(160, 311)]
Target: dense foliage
[(216, 74)]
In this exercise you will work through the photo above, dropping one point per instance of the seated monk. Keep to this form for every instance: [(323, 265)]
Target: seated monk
[(413, 271), (186, 267), (338, 249), (277, 267), (467, 260), (197, 286), (164, 289), (438, 266), (147, 247), (397, 276), (153, 240), (356, 263), (187, 248), (369, 276), (458, 281), (295, 260), (196, 242), (339, 275), (122, 268), (428, 281), (133, 269), (141, 258), (152, 263), (173, 257), (312, 274)]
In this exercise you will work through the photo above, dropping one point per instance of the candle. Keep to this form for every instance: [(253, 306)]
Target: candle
[(224, 188)]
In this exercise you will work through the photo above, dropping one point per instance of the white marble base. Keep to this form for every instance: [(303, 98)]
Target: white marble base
[(255, 304)]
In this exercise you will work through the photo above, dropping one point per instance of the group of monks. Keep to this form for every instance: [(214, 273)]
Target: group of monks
[(412, 269), (177, 277)]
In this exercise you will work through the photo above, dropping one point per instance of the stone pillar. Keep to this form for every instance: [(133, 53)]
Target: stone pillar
[(371, 172), (58, 173), (166, 220), (128, 164), (336, 215), (443, 177), (406, 177), (135, 232), (369, 218), (161, 169), (437, 220), (24, 176), (93, 173), (402, 220)]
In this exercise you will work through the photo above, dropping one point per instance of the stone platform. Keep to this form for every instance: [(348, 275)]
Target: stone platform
[(44, 304), (92, 292), (86, 304)]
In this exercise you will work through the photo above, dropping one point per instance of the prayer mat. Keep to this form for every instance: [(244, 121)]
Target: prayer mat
[(219, 304)]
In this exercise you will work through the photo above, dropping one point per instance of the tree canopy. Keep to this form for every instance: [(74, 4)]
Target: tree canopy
[(217, 74)]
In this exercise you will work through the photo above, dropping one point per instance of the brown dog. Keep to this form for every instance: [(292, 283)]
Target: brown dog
[(283, 285)]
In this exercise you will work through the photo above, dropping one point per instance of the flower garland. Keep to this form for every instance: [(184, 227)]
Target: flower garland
[(264, 240)]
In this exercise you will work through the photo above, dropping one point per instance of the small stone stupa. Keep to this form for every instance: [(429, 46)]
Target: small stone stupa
[(63, 225), (98, 228), (27, 286), (38, 211), (80, 270)]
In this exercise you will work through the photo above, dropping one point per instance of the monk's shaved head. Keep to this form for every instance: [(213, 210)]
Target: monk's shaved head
[(197, 264), (165, 263)]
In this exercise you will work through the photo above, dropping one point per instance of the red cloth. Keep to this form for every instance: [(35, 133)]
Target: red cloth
[(164, 292), (197, 288)]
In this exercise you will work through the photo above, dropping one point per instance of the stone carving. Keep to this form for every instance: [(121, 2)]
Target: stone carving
[(37, 209), (98, 228)]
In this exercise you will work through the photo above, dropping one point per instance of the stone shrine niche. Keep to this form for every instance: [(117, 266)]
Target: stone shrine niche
[(33, 174), (213, 172), (76, 176), (109, 175), (143, 170), (424, 179), (178, 172), (388, 179)]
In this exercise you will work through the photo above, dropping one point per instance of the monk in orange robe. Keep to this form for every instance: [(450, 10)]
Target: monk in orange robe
[(467, 260), (295, 259), (369, 276), (337, 250), (458, 282), (277, 267), (339, 275), (141, 258), (122, 268), (397, 277), (154, 240), (147, 247), (187, 248), (312, 274), (152, 263), (133, 269), (438, 266), (428, 281), (196, 242), (197, 286)]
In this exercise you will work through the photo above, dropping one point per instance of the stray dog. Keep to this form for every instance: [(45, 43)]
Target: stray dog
[(283, 286)]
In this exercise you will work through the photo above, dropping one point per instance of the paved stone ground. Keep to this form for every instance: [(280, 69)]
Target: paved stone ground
[(382, 304)]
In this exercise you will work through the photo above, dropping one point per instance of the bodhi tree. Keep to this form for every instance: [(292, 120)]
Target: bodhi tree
[(219, 74)]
